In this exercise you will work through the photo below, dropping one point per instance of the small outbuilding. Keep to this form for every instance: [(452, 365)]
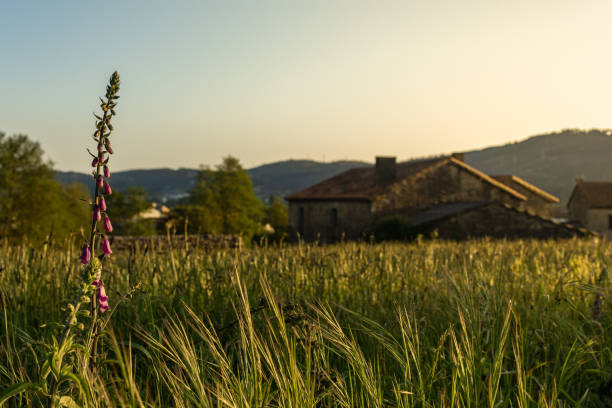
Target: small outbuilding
[(538, 200), (590, 206)]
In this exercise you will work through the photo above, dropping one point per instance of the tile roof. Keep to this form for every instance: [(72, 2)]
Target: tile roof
[(508, 179), (360, 183), (452, 209), (597, 194), (444, 211)]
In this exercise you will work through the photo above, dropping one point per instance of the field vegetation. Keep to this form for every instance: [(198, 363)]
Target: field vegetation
[(423, 324)]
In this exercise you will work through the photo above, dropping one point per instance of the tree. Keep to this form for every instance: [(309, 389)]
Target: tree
[(124, 209), (278, 218), (226, 202), (32, 203)]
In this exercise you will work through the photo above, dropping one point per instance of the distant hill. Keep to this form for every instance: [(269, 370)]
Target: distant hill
[(550, 161), (278, 178), (161, 184), (282, 178)]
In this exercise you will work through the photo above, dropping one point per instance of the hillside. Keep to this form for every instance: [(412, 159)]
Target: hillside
[(278, 178), (550, 161), (160, 183), (282, 178)]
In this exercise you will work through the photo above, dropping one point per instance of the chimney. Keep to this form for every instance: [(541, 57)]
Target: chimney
[(386, 170), (458, 156)]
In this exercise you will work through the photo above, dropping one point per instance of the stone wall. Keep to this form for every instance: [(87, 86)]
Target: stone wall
[(598, 220), (535, 202), (351, 218), (164, 243), (578, 208), (442, 184), (593, 219)]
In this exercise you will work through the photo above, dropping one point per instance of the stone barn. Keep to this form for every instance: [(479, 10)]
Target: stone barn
[(538, 200), (430, 194), (590, 206)]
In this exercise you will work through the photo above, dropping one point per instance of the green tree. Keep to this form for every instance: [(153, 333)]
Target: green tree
[(225, 200), (123, 210), (277, 216), (32, 203)]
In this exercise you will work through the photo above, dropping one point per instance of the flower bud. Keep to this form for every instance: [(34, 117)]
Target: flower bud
[(107, 189), (107, 224), (101, 203), (85, 255), (94, 162), (106, 172), (96, 214), (107, 144), (106, 247), (99, 181), (102, 298)]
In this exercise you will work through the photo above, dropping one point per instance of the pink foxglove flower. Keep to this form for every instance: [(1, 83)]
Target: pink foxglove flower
[(94, 162), (106, 172), (107, 224), (85, 255), (96, 214), (107, 189), (102, 298), (99, 181), (106, 247), (101, 203)]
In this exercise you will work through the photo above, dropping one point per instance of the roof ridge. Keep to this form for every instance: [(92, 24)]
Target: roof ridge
[(531, 187)]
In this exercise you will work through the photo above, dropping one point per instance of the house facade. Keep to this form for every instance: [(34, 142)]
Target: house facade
[(424, 192), (590, 206)]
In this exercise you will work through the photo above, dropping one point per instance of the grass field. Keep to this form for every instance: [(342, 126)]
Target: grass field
[(426, 324)]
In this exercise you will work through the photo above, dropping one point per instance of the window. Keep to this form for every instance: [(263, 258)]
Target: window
[(301, 222), (334, 218)]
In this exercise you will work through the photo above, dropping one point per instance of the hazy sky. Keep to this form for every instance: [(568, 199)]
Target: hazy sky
[(326, 80)]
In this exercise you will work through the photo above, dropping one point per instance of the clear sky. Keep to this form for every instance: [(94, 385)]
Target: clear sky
[(325, 80)]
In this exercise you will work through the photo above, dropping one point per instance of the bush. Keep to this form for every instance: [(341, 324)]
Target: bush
[(393, 228)]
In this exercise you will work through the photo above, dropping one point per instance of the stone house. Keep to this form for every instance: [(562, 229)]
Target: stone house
[(154, 212), (428, 193), (590, 206)]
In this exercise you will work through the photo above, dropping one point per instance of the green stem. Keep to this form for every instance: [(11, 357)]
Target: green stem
[(92, 238)]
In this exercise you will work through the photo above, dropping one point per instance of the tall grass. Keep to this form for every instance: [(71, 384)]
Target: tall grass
[(429, 324)]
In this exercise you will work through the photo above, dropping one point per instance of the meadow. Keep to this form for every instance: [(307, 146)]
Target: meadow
[(425, 324)]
